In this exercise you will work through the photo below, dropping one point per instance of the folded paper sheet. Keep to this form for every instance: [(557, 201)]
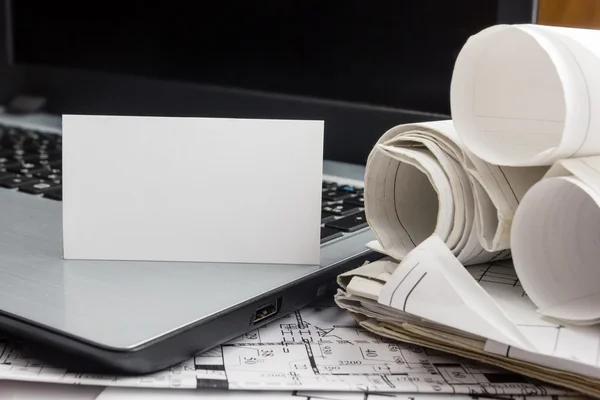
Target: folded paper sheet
[(459, 301), (563, 355), (420, 181)]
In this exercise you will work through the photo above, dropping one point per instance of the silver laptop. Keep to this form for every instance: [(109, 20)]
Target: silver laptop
[(143, 316), (58, 58)]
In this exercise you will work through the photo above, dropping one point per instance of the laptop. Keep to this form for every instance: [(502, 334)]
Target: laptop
[(59, 58)]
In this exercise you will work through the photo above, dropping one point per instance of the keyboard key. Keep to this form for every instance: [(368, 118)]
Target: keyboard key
[(356, 201), (39, 186), (8, 167), (29, 167), (328, 234), (3, 168), (23, 165), (32, 143), (16, 137), (8, 159), (347, 189), (335, 195), (7, 175), (19, 153), (43, 157), (54, 194), (326, 216), (20, 156), (350, 223), (21, 169), (53, 155), (11, 137), (17, 181), (329, 185), (56, 139), (49, 174), (341, 209)]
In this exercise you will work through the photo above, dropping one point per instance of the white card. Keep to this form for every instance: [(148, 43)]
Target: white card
[(192, 189)]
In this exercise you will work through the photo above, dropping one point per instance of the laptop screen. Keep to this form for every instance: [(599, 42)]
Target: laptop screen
[(396, 54)]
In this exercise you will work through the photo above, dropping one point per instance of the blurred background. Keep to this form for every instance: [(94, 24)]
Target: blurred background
[(363, 67)]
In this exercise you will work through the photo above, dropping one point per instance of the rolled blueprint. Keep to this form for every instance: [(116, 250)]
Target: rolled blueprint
[(556, 242), (525, 95), (420, 181), (515, 174)]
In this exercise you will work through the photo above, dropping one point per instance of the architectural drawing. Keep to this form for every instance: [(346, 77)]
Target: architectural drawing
[(580, 343), (314, 349)]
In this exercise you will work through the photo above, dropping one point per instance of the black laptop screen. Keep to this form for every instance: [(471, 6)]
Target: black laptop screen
[(396, 54)]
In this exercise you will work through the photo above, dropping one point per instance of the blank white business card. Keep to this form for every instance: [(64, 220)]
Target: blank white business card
[(192, 189)]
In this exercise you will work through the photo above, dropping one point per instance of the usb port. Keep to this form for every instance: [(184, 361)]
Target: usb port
[(267, 310)]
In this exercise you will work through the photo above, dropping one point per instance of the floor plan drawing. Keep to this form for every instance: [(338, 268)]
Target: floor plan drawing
[(317, 348)]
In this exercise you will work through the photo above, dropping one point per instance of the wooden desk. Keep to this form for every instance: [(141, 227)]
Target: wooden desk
[(571, 13)]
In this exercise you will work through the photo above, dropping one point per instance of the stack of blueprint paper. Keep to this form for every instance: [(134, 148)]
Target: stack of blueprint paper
[(490, 222)]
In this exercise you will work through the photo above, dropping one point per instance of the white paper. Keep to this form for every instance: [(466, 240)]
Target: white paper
[(319, 348), (555, 241), (526, 94), (362, 289), (430, 283), (575, 349), (567, 347), (521, 173), (420, 181), (192, 189)]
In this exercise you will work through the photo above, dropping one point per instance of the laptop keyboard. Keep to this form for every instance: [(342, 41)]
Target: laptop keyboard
[(343, 210), (31, 162)]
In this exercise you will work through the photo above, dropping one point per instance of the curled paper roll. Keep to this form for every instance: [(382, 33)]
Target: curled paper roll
[(525, 95), (556, 243), (419, 181)]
